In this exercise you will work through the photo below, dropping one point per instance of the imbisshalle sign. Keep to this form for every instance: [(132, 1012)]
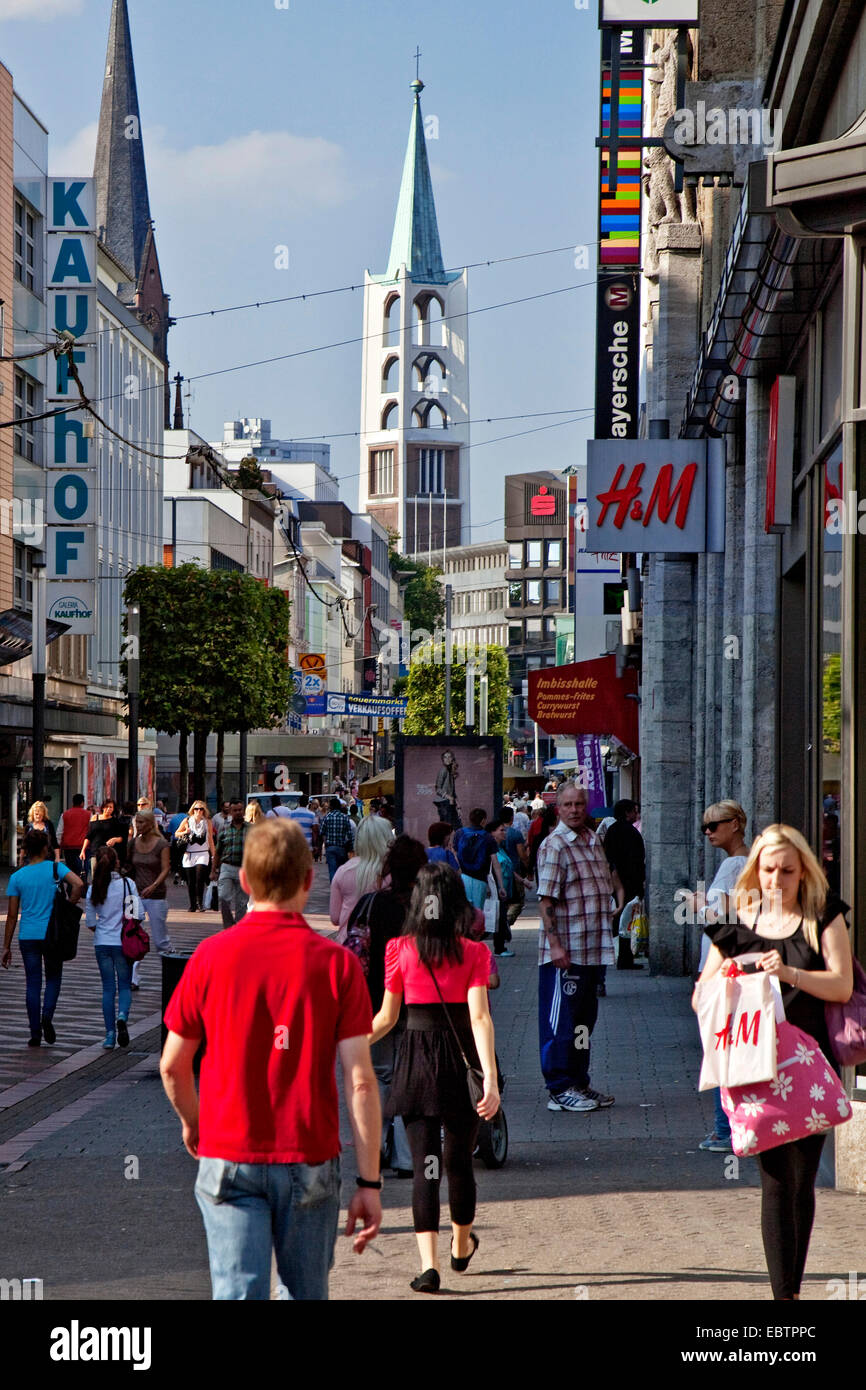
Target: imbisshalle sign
[(655, 495), (661, 14)]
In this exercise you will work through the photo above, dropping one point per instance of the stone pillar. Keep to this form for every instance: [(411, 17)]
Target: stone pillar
[(667, 729), (758, 559)]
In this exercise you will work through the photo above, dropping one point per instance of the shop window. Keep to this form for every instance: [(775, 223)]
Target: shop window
[(831, 684)]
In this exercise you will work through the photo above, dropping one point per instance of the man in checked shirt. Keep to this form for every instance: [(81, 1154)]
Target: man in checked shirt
[(575, 886)]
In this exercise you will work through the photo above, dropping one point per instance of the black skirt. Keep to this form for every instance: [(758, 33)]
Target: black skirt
[(429, 1073)]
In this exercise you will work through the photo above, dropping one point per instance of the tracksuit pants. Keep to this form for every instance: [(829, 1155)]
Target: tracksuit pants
[(567, 1011)]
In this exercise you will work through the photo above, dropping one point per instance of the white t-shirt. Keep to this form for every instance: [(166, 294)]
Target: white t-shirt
[(726, 876)]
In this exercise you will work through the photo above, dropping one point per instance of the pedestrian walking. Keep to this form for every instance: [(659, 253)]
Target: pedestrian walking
[(277, 1002), (378, 916), (254, 813), (338, 837), (150, 866), (221, 818), (476, 850), (798, 928), (304, 816), (111, 897), (105, 829), (723, 824), (360, 874), (227, 862), (440, 838), (30, 894), (195, 837), (542, 825), (501, 935), (72, 832), (517, 851), (443, 978), (625, 852), (575, 886), (37, 819)]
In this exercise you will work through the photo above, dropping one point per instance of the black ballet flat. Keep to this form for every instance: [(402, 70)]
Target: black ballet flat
[(462, 1264), (428, 1282)]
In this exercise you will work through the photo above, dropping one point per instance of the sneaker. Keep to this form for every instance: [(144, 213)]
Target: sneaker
[(571, 1100), (109, 1040), (48, 1032), (503, 953), (714, 1145), (122, 1033), (601, 1101)]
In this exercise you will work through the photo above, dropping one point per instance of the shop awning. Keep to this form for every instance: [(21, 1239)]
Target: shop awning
[(16, 635)]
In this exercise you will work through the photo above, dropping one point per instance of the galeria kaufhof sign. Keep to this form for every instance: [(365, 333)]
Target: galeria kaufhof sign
[(655, 495), (71, 476)]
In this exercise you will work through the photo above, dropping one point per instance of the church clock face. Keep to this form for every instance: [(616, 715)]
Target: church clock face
[(151, 319)]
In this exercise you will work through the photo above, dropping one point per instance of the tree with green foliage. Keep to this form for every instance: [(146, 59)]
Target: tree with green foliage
[(832, 701), (425, 688), (213, 654), (423, 596)]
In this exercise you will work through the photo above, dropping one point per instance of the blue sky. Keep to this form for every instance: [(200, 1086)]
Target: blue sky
[(266, 127)]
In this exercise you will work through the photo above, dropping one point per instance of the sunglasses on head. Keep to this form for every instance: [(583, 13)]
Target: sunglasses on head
[(712, 825)]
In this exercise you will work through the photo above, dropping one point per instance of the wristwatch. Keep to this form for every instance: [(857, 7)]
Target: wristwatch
[(365, 1182)]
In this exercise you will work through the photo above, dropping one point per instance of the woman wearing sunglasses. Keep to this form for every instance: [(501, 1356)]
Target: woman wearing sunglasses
[(196, 837), (724, 824)]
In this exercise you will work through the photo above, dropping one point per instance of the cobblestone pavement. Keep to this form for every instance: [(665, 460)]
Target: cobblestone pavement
[(96, 1189)]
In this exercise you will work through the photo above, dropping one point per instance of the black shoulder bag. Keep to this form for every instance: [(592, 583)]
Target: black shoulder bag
[(474, 1078), (61, 934)]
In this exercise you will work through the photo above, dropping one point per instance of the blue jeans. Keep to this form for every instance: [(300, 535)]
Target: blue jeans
[(567, 1000), (37, 1007), (251, 1209), (722, 1125), (112, 962), (336, 858)]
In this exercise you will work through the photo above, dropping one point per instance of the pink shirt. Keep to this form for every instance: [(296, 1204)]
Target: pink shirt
[(404, 973)]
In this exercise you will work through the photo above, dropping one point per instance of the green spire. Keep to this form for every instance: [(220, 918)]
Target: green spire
[(415, 242)]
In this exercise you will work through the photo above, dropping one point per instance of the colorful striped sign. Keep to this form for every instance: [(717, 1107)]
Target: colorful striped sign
[(619, 213)]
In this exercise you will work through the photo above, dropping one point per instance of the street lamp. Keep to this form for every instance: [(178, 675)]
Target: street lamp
[(38, 668)]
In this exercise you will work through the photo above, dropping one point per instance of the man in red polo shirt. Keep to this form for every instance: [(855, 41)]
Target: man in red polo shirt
[(276, 1002)]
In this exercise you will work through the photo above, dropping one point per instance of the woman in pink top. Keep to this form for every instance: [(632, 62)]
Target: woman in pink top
[(429, 1087), (361, 874)]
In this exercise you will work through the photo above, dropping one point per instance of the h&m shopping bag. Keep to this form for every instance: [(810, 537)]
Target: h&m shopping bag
[(737, 1014), (804, 1097)]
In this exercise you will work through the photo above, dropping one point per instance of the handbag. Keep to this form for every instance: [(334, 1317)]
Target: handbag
[(61, 934), (736, 1014), (134, 940), (474, 1078), (804, 1097), (846, 1023)]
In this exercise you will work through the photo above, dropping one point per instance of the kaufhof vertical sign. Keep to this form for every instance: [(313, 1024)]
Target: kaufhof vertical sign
[(71, 464)]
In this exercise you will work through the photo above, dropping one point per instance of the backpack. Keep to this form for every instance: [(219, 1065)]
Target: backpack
[(358, 931), (470, 845)]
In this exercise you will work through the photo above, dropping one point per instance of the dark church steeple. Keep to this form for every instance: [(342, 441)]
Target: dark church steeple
[(122, 203)]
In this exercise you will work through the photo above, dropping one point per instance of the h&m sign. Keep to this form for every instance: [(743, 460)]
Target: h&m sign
[(71, 480), (655, 495)]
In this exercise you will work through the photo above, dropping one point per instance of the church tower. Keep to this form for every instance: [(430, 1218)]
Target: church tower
[(122, 204), (415, 375)]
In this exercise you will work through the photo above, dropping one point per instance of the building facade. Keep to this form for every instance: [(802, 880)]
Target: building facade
[(754, 306), (477, 575)]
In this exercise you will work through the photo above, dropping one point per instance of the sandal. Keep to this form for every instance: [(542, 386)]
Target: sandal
[(462, 1264)]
